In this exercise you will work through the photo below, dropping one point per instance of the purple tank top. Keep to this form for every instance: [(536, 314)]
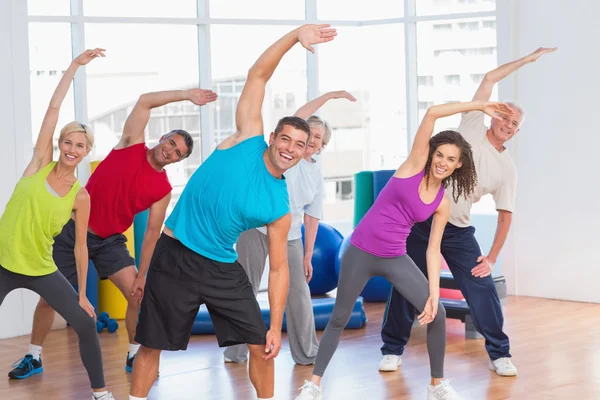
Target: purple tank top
[(383, 230)]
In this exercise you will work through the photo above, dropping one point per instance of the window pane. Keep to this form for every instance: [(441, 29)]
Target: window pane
[(359, 9), (369, 134), (139, 59), (49, 56), (429, 7), (456, 61), (45, 7), (141, 8), (234, 51), (278, 9)]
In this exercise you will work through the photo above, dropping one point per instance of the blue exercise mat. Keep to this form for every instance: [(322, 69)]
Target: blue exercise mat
[(322, 309)]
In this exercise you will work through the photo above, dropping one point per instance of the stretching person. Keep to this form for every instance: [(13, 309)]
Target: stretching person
[(305, 191), (378, 244), (239, 187), (39, 207), (472, 271), (129, 180)]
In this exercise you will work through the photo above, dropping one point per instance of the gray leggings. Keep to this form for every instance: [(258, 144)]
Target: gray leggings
[(356, 269), (61, 296)]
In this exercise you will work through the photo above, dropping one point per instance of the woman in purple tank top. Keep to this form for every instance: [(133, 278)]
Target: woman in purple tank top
[(378, 244)]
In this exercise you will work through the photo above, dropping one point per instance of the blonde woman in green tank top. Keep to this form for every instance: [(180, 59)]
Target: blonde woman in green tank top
[(43, 201)]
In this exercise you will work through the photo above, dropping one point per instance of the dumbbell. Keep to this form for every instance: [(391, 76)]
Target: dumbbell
[(104, 321)]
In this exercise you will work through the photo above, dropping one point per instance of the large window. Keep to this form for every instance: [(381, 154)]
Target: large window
[(155, 45), (431, 7), (273, 9), (337, 10), (454, 61), (369, 134), (140, 8)]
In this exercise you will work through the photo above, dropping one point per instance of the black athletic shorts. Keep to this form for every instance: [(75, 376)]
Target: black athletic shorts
[(179, 281), (109, 255)]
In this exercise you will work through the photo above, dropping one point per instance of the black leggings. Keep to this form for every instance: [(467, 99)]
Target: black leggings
[(61, 296)]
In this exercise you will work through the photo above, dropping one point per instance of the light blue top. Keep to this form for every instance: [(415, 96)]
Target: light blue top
[(231, 192)]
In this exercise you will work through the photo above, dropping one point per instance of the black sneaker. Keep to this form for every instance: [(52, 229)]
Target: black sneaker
[(129, 363), (25, 367)]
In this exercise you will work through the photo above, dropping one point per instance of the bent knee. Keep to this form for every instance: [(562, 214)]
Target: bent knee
[(339, 320), (42, 304)]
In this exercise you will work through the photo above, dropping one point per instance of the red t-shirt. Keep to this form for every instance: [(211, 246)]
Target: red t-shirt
[(122, 185)]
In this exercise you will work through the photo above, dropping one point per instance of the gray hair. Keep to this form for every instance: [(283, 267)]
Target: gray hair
[(316, 122), (517, 107)]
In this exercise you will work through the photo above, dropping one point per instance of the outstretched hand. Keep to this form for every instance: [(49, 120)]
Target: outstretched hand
[(315, 34), (201, 96), (497, 110), (342, 94), (540, 52), (89, 55)]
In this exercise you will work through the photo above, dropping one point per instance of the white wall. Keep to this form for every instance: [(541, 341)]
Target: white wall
[(17, 309), (552, 250)]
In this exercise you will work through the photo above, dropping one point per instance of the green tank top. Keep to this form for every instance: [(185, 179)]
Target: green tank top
[(31, 220)]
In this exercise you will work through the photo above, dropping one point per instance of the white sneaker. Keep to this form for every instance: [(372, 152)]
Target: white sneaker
[(443, 391), (310, 391), (389, 362), (106, 396), (503, 367)]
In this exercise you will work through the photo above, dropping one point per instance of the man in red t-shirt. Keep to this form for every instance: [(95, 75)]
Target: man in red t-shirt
[(129, 180)]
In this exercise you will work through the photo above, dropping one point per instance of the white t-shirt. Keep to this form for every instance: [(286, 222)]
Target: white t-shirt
[(305, 189), (496, 172)]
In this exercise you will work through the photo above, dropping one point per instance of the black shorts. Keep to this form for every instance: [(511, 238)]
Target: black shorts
[(109, 255), (179, 281)]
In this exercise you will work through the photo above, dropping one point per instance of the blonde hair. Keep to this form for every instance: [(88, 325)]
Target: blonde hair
[(316, 122), (76, 126)]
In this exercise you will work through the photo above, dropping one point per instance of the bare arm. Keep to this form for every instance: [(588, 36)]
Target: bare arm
[(133, 131), (314, 105), (311, 226), (42, 153), (248, 118), (484, 92), (485, 264), (420, 149), (434, 261), (277, 233), (81, 209), (156, 218)]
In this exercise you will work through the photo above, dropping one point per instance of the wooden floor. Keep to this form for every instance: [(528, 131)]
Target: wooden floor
[(555, 346)]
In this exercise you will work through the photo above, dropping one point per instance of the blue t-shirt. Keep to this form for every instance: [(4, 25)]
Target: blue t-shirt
[(231, 192)]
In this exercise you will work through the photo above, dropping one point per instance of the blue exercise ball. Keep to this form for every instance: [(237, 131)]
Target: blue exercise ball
[(377, 288), (328, 242)]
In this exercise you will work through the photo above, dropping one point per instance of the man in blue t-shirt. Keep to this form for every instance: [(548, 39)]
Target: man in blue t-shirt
[(239, 187)]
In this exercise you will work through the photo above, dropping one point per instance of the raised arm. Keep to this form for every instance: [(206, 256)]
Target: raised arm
[(434, 260), (484, 92), (420, 149), (133, 131), (312, 106), (248, 118), (42, 153), (156, 218), (277, 233), (81, 208)]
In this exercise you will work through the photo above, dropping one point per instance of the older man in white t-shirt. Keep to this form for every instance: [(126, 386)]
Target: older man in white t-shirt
[(497, 175)]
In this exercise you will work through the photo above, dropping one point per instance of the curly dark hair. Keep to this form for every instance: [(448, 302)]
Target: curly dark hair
[(463, 179)]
